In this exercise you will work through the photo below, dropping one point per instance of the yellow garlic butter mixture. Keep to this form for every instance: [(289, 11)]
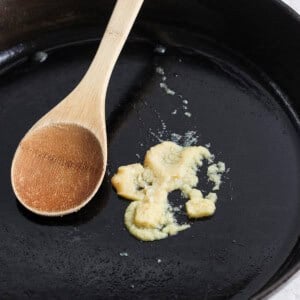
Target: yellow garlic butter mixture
[(167, 167)]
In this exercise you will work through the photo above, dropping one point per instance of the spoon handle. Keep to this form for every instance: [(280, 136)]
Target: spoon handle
[(116, 33)]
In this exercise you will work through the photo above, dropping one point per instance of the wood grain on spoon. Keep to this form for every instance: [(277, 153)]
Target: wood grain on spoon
[(60, 163)]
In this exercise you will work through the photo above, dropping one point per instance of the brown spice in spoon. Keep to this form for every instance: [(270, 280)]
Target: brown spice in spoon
[(56, 168)]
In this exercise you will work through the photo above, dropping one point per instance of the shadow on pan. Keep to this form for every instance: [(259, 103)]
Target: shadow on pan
[(239, 74)]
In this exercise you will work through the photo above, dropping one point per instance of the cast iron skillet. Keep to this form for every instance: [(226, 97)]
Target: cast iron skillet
[(237, 62)]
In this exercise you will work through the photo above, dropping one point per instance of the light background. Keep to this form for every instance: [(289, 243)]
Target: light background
[(291, 289), (294, 4)]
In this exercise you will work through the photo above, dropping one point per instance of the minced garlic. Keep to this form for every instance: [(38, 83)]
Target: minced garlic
[(167, 167)]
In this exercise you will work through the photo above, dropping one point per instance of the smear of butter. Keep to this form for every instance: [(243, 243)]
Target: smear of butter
[(214, 173), (167, 167)]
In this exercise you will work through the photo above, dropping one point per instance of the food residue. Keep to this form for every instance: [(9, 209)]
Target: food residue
[(167, 167), (160, 49), (165, 87), (214, 173)]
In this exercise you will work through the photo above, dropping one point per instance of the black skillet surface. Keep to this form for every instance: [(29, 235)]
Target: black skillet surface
[(252, 243)]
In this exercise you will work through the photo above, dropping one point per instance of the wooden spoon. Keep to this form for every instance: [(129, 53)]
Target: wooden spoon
[(60, 163)]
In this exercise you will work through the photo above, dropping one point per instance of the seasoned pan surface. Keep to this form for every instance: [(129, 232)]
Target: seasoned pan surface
[(234, 106)]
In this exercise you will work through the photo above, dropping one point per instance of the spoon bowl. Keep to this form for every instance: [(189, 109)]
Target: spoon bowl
[(57, 169)]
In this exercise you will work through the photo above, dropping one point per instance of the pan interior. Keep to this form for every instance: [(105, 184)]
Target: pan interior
[(232, 107)]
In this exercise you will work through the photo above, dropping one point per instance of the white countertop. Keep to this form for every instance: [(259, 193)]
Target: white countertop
[(295, 4), (291, 289)]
